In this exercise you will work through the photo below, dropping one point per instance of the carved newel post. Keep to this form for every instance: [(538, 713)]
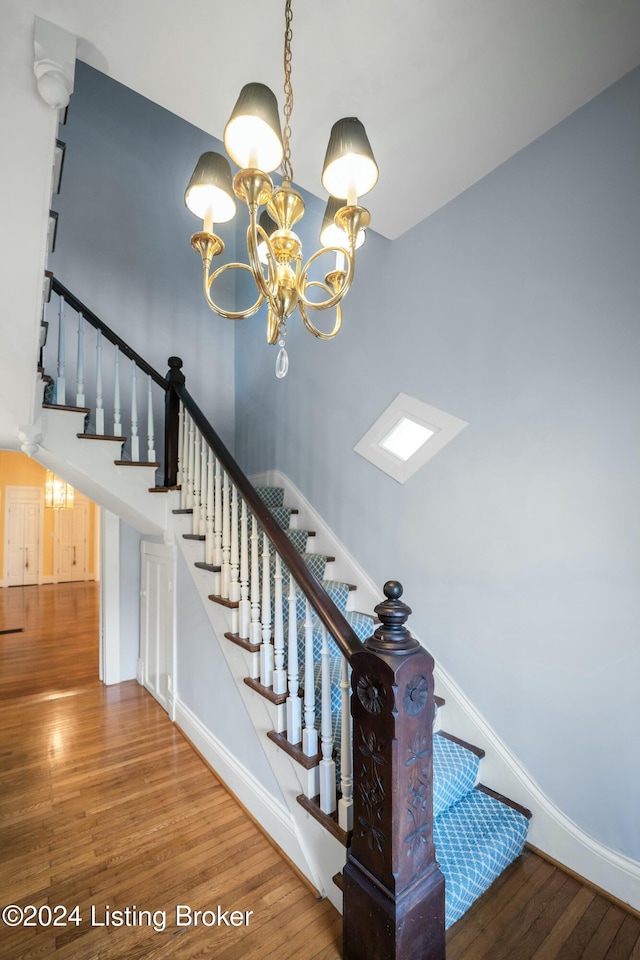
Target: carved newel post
[(171, 422), (393, 887)]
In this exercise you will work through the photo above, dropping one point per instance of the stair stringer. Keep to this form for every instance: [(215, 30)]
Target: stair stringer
[(317, 854), (551, 831), (88, 465)]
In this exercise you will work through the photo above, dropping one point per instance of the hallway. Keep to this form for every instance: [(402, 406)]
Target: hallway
[(105, 806)]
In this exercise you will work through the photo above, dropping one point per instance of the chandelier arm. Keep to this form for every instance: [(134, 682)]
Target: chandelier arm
[(333, 301), (311, 327), (265, 287), (209, 280)]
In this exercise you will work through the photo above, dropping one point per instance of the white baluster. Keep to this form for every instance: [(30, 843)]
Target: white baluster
[(80, 402), (226, 538), (195, 517), (204, 457), (234, 557), (135, 439), (327, 764), (189, 459), (184, 482), (180, 471), (266, 650), (61, 389), (151, 439), (255, 628), (234, 561), (99, 398), (309, 734), (279, 673), (345, 804), (209, 542), (117, 425), (217, 517), (245, 606), (294, 706)]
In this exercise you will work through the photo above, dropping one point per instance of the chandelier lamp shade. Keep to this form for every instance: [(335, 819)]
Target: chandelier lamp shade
[(256, 143)]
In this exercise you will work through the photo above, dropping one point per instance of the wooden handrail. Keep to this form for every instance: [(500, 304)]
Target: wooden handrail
[(327, 611), (96, 322)]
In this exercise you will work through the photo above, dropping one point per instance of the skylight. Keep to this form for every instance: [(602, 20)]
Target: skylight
[(406, 435), (406, 438)]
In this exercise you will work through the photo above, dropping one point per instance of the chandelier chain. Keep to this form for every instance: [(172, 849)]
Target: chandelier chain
[(287, 169)]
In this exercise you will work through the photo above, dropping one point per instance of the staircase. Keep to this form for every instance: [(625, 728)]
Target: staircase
[(292, 635)]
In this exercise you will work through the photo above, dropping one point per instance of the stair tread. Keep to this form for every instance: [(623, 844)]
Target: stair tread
[(475, 841), (501, 797), (266, 692), (241, 642), (136, 463), (163, 489), (294, 750), (193, 536), (479, 752), (100, 436), (223, 601), (328, 820), (62, 406), (455, 772), (201, 565)]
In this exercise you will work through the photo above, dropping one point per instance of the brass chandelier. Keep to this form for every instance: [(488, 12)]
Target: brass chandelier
[(254, 141)]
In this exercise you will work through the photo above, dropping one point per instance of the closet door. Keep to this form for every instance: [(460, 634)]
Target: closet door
[(156, 618), (23, 517)]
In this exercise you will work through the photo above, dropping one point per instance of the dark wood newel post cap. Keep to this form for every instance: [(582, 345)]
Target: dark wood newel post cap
[(175, 370), (392, 637)]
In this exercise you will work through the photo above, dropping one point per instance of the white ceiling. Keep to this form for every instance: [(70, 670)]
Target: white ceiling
[(447, 89)]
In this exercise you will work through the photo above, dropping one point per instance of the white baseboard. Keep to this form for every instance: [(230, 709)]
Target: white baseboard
[(551, 831), (273, 817)]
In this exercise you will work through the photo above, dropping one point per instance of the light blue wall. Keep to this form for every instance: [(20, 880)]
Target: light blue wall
[(207, 687), (123, 243), (514, 307)]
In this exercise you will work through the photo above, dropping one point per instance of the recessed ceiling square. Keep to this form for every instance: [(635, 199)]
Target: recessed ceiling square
[(406, 435)]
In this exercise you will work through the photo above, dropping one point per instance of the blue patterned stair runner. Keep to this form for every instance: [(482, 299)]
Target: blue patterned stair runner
[(476, 836)]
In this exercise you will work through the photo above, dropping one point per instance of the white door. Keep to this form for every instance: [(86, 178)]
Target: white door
[(22, 536), (156, 618), (71, 532)]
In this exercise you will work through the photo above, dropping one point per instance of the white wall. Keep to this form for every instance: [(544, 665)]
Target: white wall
[(28, 127), (515, 308)]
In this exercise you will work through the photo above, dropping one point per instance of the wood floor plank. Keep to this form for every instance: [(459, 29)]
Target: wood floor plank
[(93, 814)]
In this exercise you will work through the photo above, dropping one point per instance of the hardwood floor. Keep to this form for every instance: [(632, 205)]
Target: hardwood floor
[(103, 804)]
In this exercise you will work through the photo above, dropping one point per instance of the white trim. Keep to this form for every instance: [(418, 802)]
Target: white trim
[(551, 831), (276, 820), (442, 427), (110, 599)]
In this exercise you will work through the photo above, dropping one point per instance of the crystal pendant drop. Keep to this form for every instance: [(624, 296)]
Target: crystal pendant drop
[(282, 361)]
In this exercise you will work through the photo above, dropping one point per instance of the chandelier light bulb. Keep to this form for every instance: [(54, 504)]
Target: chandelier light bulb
[(209, 194), (252, 137), (332, 235), (350, 169)]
